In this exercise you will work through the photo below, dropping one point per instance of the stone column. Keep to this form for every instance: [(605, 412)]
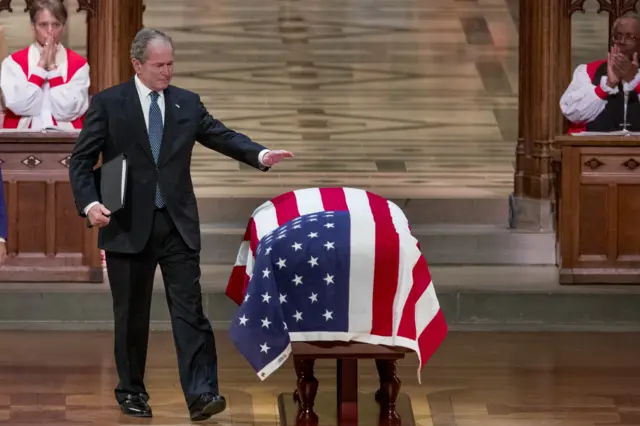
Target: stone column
[(111, 27), (544, 72)]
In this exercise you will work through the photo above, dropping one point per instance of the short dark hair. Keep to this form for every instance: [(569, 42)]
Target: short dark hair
[(56, 7)]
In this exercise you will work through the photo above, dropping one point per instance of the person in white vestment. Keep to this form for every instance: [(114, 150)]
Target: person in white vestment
[(45, 85)]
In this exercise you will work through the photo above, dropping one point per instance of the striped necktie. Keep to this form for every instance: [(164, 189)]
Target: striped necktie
[(155, 138)]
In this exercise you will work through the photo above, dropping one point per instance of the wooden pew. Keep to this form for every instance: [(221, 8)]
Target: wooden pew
[(384, 408), (48, 241), (599, 207)]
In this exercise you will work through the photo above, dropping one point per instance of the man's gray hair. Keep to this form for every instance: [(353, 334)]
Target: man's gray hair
[(140, 44), (623, 17)]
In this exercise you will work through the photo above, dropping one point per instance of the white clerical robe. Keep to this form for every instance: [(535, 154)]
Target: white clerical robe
[(35, 98)]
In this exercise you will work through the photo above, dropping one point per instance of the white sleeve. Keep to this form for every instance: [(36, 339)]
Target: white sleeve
[(22, 96), (583, 101), (69, 100)]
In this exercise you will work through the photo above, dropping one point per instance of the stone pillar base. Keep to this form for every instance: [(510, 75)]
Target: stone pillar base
[(533, 215)]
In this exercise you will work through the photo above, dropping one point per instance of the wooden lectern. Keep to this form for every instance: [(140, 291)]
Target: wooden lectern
[(48, 240), (599, 208)]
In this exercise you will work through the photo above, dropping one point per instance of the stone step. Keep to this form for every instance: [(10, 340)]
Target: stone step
[(442, 244), (481, 211), (516, 298)]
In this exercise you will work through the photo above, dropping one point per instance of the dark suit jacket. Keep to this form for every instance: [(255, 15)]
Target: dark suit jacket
[(114, 125)]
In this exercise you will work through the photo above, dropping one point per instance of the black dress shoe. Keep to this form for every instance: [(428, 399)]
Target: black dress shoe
[(135, 406), (206, 406)]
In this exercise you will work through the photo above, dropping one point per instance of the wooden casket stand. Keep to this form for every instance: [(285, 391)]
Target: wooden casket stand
[(305, 406)]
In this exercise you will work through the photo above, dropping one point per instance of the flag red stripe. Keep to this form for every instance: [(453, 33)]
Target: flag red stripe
[(286, 206), (385, 272), (432, 337), (420, 282), (251, 235), (235, 290), (333, 199)]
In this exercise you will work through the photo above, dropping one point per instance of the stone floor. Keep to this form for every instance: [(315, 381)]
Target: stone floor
[(409, 98), (492, 379)]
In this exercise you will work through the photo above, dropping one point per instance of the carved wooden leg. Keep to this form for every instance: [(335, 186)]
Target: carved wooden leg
[(387, 395), (307, 388)]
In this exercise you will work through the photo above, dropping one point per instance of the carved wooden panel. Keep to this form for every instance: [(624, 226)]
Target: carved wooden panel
[(5, 5), (599, 210), (112, 27), (48, 241)]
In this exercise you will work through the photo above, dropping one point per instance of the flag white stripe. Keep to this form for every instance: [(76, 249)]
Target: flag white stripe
[(309, 200), (427, 307), (241, 258), (266, 219), (361, 262), (409, 256)]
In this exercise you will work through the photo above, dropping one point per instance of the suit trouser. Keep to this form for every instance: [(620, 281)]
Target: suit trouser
[(131, 280)]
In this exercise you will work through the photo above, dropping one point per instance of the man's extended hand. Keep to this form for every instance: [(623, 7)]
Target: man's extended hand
[(273, 157), (98, 215)]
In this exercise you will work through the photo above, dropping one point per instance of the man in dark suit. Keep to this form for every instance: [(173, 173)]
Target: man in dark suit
[(155, 125)]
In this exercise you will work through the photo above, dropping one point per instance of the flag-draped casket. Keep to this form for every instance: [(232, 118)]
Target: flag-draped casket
[(331, 264)]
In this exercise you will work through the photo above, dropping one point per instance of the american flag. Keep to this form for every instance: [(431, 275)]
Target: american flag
[(389, 298)]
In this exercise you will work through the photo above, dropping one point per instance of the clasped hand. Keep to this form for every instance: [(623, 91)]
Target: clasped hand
[(620, 68), (98, 216), (48, 57)]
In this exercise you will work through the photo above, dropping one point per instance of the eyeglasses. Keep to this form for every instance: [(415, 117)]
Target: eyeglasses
[(623, 38)]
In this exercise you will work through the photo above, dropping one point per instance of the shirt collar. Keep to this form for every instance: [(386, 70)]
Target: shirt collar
[(143, 90)]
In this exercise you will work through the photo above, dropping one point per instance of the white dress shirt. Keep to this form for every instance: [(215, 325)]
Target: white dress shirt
[(144, 93)]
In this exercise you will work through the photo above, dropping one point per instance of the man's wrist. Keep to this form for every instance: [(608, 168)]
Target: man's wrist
[(261, 156), (86, 209)]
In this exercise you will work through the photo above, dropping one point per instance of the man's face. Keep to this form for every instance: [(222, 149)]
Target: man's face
[(627, 37), (46, 27), (157, 71)]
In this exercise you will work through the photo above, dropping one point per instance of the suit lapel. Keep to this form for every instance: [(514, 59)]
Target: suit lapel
[(133, 109), (170, 126)]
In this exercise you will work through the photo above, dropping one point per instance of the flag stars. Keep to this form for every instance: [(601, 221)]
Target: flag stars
[(268, 250), (246, 297), (313, 297), (286, 327), (265, 273), (297, 280), (297, 226), (265, 322), (296, 246), (264, 348), (329, 279), (298, 316), (313, 261), (243, 320), (328, 315), (283, 298), (329, 225), (329, 245), (282, 263), (313, 235), (266, 297)]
